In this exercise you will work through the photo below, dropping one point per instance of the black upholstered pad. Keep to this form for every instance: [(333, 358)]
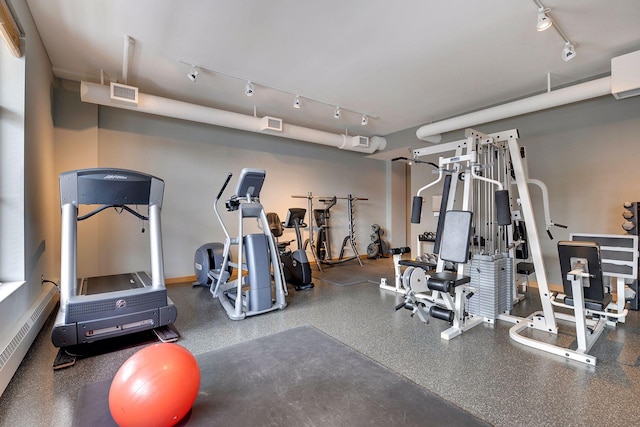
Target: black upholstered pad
[(445, 281), (591, 304), (419, 264)]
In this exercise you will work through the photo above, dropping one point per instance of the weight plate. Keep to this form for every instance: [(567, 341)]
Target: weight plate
[(418, 280), (372, 250)]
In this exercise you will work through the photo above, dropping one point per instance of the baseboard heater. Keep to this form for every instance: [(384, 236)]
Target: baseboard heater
[(24, 333)]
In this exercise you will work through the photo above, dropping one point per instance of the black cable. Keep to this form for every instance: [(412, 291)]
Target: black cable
[(103, 207), (52, 282)]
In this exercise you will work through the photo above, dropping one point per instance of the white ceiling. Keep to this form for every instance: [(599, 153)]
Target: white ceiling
[(409, 62)]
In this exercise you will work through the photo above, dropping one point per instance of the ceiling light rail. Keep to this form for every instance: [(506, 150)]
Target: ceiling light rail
[(545, 21), (297, 103)]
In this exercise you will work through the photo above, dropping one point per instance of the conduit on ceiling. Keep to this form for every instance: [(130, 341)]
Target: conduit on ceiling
[(580, 92), (100, 94)]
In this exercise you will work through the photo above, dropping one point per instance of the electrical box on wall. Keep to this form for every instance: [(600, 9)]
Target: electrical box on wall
[(625, 75), (271, 123)]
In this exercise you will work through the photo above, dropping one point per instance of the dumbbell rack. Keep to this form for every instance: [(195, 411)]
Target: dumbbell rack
[(630, 214)]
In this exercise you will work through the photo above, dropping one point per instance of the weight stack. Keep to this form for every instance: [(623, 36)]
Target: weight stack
[(492, 276)]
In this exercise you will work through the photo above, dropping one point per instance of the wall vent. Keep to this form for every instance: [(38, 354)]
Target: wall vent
[(124, 93), (271, 123), (360, 141)]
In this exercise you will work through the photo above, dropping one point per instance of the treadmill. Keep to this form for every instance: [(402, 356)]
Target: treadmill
[(105, 307)]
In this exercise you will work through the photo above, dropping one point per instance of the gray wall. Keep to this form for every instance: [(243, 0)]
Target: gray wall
[(27, 213), (586, 154), (194, 159)]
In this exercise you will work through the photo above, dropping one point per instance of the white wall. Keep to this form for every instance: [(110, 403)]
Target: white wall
[(194, 159)]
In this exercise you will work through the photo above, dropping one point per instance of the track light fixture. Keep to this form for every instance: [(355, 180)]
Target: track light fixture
[(544, 20), (569, 51), (193, 74), (297, 103), (248, 89)]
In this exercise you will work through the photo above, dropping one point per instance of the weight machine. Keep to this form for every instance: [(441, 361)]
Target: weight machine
[(322, 250), (488, 160), (447, 293)]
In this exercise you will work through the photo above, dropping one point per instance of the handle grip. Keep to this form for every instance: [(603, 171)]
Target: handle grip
[(224, 186), (416, 209)]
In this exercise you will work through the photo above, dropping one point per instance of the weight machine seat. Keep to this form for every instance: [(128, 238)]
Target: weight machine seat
[(588, 255), (446, 281), (592, 304)]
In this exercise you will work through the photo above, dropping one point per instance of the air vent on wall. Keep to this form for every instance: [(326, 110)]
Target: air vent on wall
[(271, 123), (124, 93), (625, 75), (360, 141)]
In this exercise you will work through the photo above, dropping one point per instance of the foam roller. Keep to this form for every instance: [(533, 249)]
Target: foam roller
[(441, 313), (502, 207), (416, 209)]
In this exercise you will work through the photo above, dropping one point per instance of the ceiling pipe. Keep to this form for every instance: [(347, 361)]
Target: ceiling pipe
[(580, 92), (128, 42), (151, 104)]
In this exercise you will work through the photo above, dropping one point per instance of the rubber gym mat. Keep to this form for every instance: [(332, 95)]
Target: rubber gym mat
[(298, 377), (350, 274)]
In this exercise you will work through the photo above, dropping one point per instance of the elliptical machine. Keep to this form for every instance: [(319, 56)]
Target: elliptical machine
[(262, 288), (295, 264)]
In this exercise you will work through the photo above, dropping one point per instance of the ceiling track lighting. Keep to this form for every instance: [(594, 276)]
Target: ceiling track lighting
[(569, 51), (249, 90), (193, 74), (545, 21)]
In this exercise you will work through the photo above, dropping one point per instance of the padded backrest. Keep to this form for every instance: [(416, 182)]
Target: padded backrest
[(585, 255), (274, 224), (456, 235)]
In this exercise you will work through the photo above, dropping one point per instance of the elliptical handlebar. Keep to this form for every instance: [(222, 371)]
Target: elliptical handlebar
[(215, 205), (224, 186)]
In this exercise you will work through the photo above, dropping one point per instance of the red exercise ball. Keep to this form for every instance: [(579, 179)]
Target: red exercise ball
[(155, 387)]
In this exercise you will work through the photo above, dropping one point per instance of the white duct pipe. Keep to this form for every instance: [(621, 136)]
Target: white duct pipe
[(99, 94), (128, 41), (568, 95)]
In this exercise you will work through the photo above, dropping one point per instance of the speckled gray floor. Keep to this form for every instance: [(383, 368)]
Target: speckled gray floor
[(483, 371)]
